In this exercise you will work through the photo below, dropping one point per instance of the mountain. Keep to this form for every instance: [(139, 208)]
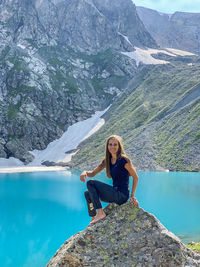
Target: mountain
[(60, 61), (179, 30), (84, 25), (158, 117)]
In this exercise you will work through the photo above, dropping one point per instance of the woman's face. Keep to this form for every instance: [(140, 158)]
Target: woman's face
[(113, 146)]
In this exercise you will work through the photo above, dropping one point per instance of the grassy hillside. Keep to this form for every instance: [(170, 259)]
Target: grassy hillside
[(158, 117)]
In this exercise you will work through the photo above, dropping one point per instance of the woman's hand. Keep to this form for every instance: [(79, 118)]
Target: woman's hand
[(134, 201), (83, 176)]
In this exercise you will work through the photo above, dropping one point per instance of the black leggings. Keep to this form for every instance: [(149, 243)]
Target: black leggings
[(100, 191)]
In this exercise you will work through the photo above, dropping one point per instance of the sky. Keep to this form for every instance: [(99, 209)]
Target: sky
[(170, 6)]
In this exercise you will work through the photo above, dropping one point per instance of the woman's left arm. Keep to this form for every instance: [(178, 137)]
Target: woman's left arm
[(129, 167)]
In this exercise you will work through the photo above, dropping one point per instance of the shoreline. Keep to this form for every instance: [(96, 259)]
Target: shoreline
[(18, 169), (32, 169)]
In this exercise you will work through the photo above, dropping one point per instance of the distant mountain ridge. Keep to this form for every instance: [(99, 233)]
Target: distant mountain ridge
[(179, 30)]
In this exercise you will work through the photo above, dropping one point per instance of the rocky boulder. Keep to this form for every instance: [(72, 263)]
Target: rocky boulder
[(128, 236)]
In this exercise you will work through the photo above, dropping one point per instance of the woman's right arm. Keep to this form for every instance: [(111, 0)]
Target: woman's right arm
[(86, 174)]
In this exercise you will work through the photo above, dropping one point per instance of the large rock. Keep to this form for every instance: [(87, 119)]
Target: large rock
[(128, 236)]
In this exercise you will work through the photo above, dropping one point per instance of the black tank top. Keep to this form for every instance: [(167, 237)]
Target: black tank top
[(120, 175)]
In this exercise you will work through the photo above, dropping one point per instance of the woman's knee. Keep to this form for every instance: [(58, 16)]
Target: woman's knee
[(90, 183), (121, 198), (122, 201), (87, 195)]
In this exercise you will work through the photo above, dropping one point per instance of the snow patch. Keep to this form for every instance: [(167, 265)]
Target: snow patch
[(57, 150), (156, 51), (92, 4), (144, 56), (125, 37), (21, 46), (11, 162), (169, 16), (180, 52)]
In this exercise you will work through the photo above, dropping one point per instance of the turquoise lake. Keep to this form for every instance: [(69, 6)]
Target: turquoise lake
[(40, 210)]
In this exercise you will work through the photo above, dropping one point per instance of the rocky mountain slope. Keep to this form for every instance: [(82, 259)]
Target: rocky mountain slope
[(158, 117), (126, 237), (179, 30), (59, 62)]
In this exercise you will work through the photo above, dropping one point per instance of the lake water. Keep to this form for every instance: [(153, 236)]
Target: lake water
[(39, 211)]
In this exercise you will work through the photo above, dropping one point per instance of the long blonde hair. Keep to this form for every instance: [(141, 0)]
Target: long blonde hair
[(120, 153)]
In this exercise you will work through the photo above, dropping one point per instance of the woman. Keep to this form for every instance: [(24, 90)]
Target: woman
[(119, 168)]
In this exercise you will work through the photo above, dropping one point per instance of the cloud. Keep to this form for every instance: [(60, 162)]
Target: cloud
[(170, 6)]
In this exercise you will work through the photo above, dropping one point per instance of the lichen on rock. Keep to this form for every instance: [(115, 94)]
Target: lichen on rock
[(128, 236)]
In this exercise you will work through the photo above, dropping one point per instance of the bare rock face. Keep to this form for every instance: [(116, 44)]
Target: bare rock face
[(60, 61), (128, 236)]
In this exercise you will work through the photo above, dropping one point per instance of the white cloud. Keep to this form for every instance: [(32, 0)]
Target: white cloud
[(170, 6)]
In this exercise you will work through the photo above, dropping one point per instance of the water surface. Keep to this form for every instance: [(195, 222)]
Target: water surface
[(39, 211)]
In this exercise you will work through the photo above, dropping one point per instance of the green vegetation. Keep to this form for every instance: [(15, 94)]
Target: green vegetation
[(62, 62), (13, 111), (194, 246), (100, 59), (148, 117)]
